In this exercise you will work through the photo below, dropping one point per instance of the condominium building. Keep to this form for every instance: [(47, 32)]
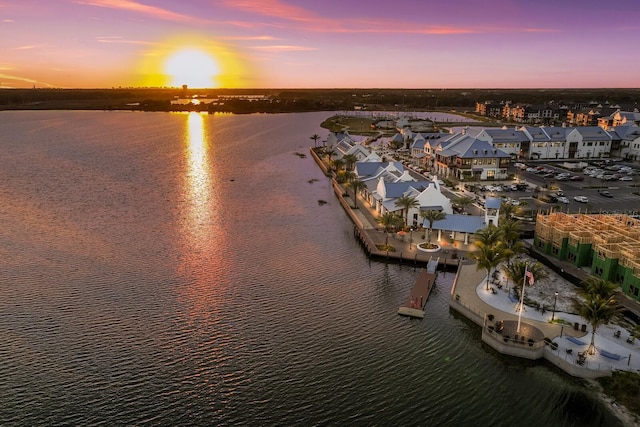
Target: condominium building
[(609, 245)]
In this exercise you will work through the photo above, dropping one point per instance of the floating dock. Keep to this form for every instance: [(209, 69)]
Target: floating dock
[(414, 305)]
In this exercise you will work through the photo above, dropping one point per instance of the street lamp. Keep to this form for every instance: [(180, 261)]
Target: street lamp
[(555, 299)]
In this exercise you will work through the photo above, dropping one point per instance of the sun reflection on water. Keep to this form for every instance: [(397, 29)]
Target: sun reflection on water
[(198, 179), (202, 234)]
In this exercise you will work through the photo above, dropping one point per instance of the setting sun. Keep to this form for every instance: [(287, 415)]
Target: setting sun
[(193, 68)]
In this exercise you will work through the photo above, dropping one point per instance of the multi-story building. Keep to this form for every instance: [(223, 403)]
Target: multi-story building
[(469, 158), (609, 245)]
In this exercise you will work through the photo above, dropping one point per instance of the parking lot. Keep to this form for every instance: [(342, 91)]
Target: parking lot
[(595, 192)]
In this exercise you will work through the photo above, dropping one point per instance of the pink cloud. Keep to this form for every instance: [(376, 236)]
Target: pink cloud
[(310, 21), (133, 6)]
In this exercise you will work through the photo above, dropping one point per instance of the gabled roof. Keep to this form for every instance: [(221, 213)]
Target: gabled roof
[(506, 135), (395, 190), (371, 169), (593, 133), (626, 132), (557, 133), (470, 147), (459, 223), (418, 144)]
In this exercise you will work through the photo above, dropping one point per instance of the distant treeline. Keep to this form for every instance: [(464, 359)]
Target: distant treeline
[(299, 100)]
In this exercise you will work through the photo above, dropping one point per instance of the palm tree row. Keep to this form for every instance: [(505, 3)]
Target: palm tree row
[(498, 244)]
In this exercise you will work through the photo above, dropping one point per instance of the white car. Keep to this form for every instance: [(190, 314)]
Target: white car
[(581, 199), (626, 178), (563, 199)]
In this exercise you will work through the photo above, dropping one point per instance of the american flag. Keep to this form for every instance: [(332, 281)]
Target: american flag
[(529, 277)]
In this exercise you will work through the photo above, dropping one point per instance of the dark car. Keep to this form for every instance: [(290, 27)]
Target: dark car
[(577, 178), (605, 193)]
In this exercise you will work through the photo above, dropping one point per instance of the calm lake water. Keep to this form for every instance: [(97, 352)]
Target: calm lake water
[(177, 269)]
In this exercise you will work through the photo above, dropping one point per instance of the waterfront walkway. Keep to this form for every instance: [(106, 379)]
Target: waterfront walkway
[(470, 298)]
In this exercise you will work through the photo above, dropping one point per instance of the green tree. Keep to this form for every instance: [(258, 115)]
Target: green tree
[(489, 257), (389, 221), (432, 216), (315, 138), (406, 202), (597, 311), (356, 185)]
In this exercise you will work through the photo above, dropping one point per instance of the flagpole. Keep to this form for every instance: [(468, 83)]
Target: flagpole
[(524, 281)]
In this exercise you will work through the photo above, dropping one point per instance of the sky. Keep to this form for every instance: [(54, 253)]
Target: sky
[(320, 43)]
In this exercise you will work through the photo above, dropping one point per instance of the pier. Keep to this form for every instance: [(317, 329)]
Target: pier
[(414, 305)]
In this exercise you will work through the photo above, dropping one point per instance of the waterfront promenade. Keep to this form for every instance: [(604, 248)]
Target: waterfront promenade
[(470, 298)]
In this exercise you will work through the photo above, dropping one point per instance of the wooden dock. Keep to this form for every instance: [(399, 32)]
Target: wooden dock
[(414, 305)]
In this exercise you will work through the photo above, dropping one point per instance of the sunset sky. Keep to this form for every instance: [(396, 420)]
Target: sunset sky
[(320, 43)]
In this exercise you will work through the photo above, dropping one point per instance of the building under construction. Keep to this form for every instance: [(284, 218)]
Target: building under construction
[(608, 244)]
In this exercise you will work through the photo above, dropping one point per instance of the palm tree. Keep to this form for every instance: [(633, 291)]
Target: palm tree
[(344, 176), (329, 152), (337, 164), (516, 270), (356, 185), (464, 202), (432, 216), (507, 210), (596, 286), (389, 221), (510, 234), (315, 138), (597, 311), (489, 257), (407, 202), (489, 235), (349, 161)]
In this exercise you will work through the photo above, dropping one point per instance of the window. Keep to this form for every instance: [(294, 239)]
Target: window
[(555, 250), (571, 257), (598, 271)]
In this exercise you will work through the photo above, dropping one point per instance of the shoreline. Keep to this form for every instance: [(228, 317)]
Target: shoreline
[(627, 417)]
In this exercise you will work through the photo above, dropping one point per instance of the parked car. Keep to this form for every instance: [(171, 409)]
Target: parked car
[(605, 193), (577, 178), (581, 199), (563, 200), (626, 178)]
